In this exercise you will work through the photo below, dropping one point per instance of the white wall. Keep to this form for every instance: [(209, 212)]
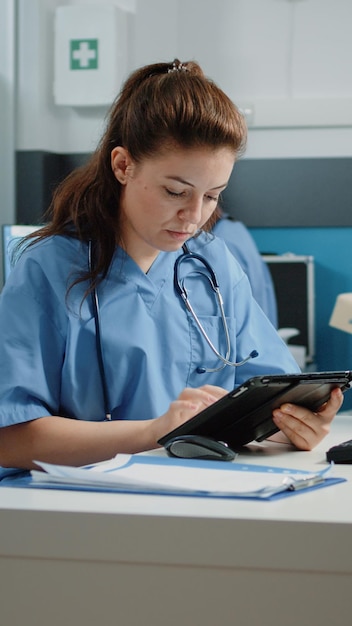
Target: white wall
[(7, 105), (7, 113), (287, 60)]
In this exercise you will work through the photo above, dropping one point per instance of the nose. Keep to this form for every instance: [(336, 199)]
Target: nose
[(192, 211)]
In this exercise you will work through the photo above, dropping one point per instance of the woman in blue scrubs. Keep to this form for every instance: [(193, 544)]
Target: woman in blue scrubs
[(100, 354)]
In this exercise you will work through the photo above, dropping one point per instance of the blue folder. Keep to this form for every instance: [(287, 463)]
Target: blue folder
[(304, 481)]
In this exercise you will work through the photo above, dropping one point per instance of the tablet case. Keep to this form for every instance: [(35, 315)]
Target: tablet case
[(245, 414)]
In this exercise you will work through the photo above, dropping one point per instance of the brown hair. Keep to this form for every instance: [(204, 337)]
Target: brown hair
[(158, 104)]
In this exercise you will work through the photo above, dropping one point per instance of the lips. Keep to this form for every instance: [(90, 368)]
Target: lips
[(180, 233)]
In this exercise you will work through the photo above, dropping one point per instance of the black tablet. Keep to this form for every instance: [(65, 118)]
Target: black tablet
[(245, 414)]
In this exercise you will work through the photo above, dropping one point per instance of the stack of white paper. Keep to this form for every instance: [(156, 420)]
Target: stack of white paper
[(148, 474)]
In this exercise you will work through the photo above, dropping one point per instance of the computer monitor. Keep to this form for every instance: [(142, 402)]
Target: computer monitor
[(11, 234)]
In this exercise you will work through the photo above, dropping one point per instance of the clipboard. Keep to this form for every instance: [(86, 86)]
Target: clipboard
[(245, 414), (153, 475)]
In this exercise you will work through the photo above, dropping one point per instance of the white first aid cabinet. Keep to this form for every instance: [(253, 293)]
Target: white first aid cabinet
[(90, 54)]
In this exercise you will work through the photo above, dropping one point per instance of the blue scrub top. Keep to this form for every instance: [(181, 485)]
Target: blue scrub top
[(151, 344)]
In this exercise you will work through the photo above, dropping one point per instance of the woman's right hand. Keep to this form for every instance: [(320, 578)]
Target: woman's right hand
[(189, 403)]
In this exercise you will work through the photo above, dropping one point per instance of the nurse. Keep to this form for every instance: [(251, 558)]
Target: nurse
[(100, 353)]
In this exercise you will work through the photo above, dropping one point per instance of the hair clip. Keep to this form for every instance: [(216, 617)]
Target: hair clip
[(177, 66)]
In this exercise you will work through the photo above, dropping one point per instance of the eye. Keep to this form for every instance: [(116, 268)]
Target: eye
[(211, 198), (175, 194)]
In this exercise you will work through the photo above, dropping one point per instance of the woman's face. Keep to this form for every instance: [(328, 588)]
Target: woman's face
[(166, 198)]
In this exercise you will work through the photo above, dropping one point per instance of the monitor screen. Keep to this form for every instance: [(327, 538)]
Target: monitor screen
[(11, 234)]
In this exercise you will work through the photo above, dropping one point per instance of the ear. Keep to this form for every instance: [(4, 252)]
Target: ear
[(120, 161)]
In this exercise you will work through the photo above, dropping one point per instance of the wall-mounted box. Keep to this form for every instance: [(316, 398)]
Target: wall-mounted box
[(90, 54)]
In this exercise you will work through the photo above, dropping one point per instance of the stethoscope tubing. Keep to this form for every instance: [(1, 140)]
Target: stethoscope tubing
[(98, 341), (182, 292)]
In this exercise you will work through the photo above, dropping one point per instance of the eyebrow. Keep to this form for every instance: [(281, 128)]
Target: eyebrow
[(186, 182)]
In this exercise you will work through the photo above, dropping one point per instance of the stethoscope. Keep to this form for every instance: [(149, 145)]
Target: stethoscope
[(179, 284)]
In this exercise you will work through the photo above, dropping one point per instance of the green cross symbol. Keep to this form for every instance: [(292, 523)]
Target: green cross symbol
[(84, 54)]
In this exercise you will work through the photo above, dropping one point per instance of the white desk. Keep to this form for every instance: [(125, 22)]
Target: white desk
[(84, 559)]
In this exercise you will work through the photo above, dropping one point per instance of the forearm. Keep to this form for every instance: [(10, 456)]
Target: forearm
[(71, 442), (76, 442)]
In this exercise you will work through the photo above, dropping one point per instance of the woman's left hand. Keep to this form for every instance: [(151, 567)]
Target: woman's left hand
[(305, 428)]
